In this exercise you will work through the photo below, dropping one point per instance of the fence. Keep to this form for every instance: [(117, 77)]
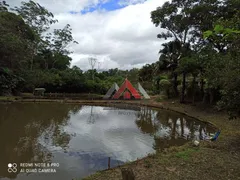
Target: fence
[(64, 95)]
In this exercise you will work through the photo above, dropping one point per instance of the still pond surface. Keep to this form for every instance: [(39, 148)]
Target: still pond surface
[(80, 138)]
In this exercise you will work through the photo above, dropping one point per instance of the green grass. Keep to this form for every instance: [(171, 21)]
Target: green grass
[(186, 153), (161, 98), (147, 163), (211, 160), (27, 94), (8, 98)]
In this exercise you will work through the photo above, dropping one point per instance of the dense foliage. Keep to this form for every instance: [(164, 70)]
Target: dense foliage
[(203, 50), (200, 61), (32, 56)]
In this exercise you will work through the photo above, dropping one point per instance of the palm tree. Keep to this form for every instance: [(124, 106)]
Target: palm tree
[(170, 56)]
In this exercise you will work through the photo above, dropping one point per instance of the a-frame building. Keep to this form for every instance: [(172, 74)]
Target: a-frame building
[(143, 92), (111, 91), (127, 90)]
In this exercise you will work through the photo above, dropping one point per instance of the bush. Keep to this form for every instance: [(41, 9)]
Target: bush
[(192, 89), (156, 83), (9, 83), (165, 85), (161, 98)]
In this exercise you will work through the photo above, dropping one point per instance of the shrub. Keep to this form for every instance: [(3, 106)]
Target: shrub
[(165, 85)]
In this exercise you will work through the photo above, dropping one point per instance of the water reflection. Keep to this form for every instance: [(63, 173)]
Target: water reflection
[(21, 125), (81, 138), (170, 129)]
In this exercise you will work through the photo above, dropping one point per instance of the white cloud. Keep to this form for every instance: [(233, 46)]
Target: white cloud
[(120, 137), (61, 6), (129, 2), (123, 38)]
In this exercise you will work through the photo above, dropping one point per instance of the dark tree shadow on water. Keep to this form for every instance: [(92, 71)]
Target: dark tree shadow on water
[(93, 115), (169, 128), (145, 121)]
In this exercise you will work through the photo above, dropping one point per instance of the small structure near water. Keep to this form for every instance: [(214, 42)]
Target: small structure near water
[(126, 91), (39, 91), (111, 91)]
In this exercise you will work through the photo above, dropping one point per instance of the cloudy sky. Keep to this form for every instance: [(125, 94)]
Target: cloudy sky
[(119, 33)]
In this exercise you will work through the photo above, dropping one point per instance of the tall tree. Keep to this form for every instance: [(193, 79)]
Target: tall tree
[(146, 72), (227, 65), (3, 6), (39, 19), (174, 18), (36, 16), (14, 39), (61, 39), (169, 56)]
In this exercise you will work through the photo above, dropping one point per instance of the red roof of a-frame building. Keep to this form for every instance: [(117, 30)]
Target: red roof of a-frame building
[(127, 85)]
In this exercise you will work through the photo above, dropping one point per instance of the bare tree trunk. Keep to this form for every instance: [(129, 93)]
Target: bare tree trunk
[(200, 131), (33, 54), (202, 85), (168, 93), (175, 84), (31, 62), (174, 128), (202, 88), (93, 75), (46, 64), (182, 127), (205, 97), (182, 98), (193, 89), (211, 96), (53, 64)]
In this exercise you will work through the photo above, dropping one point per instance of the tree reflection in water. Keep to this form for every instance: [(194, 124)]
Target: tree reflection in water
[(42, 124), (169, 128), (39, 130), (92, 116), (146, 121)]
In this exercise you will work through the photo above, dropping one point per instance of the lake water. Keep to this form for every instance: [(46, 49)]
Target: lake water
[(76, 140)]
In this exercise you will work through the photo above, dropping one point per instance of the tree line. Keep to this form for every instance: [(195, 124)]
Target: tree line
[(198, 62), (32, 56), (202, 54)]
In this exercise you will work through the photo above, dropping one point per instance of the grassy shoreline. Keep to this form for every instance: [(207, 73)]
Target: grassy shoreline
[(211, 160), (150, 103)]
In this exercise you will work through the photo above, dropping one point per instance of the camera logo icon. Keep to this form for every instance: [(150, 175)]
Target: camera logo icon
[(12, 167)]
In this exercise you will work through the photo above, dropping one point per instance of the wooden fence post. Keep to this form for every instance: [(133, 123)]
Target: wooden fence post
[(109, 161)]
